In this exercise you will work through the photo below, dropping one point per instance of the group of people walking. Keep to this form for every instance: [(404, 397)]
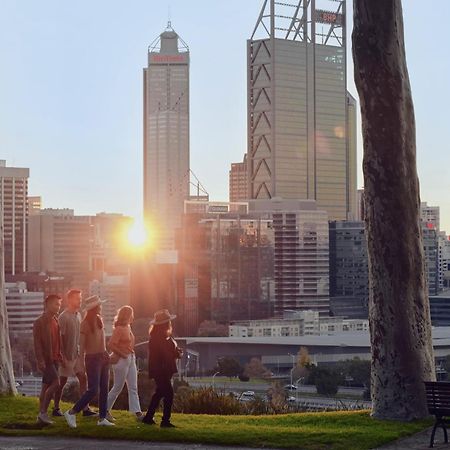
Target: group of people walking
[(69, 345)]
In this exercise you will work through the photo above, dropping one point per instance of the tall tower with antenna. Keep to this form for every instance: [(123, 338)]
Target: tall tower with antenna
[(301, 119), (166, 135)]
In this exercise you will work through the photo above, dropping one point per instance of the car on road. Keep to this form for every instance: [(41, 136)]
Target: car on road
[(290, 387), (247, 396), (291, 399)]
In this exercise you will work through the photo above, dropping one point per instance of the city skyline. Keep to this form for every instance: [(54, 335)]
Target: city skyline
[(100, 57)]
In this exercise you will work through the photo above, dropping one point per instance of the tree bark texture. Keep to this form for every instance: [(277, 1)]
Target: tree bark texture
[(400, 325), (7, 382)]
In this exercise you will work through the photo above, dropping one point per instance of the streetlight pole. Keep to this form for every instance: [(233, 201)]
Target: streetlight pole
[(213, 385), (293, 367)]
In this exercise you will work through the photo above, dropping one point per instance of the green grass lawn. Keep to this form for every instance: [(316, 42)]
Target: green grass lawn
[(312, 431)]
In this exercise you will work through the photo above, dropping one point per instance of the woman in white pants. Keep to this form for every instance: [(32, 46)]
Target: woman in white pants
[(123, 361)]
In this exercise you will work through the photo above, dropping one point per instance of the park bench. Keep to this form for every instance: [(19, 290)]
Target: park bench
[(438, 401)]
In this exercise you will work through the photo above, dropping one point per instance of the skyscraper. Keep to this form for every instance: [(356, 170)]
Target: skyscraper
[(238, 181), (13, 207), (166, 134), (301, 119)]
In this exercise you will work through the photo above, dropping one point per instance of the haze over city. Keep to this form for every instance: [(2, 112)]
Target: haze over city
[(71, 88)]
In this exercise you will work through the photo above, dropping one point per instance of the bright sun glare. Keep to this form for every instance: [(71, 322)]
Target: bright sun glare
[(137, 234)]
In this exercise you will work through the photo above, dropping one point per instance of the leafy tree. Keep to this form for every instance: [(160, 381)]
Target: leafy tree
[(256, 369), (326, 380), (303, 358), (358, 370), (229, 367), (399, 313), (277, 398)]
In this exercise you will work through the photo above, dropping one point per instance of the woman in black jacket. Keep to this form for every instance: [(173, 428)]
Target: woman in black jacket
[(162, 355)]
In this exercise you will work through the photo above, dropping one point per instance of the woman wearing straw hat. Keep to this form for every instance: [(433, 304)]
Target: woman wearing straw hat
[(96, 358), (162, 355)]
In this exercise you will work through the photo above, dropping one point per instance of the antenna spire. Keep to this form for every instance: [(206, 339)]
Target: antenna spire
[(169, 19)]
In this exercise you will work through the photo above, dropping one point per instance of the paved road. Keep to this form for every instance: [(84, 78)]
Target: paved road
[(54, 443)]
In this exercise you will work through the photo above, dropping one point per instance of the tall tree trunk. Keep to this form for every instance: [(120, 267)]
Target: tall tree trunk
[(400, 326), (7, 383)]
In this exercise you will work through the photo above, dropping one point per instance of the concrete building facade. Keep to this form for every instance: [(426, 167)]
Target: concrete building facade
[(166, 135), (301, 119), (238, 181), (22, 307), (14, 214), (61, 243)]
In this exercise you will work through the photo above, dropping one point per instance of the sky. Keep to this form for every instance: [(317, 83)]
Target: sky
[(71, 94)]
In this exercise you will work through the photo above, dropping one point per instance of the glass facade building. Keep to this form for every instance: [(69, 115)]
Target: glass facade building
[(301, 119), (349, 271)]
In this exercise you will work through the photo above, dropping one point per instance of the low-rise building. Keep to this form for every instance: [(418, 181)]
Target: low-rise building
[(297, 323), (22, 307)]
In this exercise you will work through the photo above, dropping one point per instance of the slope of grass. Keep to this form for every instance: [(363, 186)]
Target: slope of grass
[(311, 431)]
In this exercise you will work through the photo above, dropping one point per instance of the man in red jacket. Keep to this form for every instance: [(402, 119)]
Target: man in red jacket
[(47, 348)]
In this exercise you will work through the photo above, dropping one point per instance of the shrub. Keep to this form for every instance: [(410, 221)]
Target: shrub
[(205, 401)]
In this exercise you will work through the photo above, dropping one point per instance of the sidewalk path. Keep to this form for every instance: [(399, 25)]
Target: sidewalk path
[(419, 441), (57, 443)]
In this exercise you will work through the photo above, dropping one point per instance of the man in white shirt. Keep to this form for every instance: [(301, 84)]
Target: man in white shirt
[(72, 365)]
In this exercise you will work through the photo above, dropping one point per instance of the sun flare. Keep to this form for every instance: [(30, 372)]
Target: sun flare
[(137, 234)]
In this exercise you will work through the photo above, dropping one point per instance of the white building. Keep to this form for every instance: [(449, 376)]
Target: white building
[(22, 307), (297, 323), (166, 135), (430, 215)]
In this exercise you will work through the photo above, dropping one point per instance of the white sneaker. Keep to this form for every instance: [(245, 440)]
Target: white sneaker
[(71, 419), (105, 423), (43, 418)]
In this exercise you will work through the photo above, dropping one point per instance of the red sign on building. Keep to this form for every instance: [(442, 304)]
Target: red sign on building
[(167, 59)]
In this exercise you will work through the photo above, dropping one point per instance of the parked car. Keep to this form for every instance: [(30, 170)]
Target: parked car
[(291, 399), (290, 387)]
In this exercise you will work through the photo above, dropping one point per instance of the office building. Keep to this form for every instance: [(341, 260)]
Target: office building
[(166, 135), (431, 253), (23, 308), (349, 270), (60, 242), (34, 205), (301, 261), (226, 264), (13, 207), (430, 215), (238, 181), (301, 119)]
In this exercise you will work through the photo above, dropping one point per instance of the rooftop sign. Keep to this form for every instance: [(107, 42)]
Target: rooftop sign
[(329, 17), (158, 58)]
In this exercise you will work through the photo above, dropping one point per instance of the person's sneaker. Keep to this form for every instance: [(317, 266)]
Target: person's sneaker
[(105, 423), (110, 417), (57, 412), (167, 425), (147, 421), (43, 418), (89, 413), (71, 419)]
